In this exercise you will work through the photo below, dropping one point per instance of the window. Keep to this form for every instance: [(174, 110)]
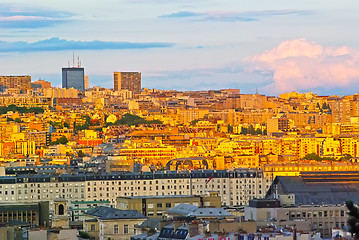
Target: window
[(159, 205), (93, 227), (168, 205), (125, 229), (115, 229)]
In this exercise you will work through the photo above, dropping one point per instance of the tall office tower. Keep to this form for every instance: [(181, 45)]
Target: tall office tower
[(86, 82), (73, 77), (15, 82), (127, 80)]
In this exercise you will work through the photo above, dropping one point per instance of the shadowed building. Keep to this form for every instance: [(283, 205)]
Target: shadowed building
[(317, 197), (127, 81), (73, 78), (36, 213)]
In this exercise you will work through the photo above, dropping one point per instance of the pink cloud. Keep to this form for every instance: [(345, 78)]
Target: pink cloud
[(304, 65), (22, 18)]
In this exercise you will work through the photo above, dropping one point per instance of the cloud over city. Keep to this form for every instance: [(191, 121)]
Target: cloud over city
[(13, 16), (299, 64), (234, 16), (57, 44)]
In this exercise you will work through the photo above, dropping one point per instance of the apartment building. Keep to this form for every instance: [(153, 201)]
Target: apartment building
[(127, 81), (323, 218), (235, 187), (17, 82)]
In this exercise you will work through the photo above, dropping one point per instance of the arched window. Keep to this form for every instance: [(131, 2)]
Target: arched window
[(61, 209)]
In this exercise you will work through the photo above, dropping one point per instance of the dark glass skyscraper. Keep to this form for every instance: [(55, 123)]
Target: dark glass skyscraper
[(73, 78)]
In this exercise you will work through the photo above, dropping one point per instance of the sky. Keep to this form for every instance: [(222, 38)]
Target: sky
[(255, 45)]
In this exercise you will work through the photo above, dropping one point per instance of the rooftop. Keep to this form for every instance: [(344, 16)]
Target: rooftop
[(104, 213), (325, 191), (189, 210)]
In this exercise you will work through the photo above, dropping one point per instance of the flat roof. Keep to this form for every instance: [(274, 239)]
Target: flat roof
[(160, 196), (82, 202)]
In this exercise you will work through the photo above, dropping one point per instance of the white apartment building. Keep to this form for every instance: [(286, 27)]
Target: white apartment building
[(234, 187)]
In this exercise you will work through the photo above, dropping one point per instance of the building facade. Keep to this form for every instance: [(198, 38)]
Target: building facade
[(36, 213), (155, 206), (234, 187), (15, 82), (127, 81), (73, 78)]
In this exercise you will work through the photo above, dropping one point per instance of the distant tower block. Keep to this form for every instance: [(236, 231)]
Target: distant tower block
[(127, 81), (86, 82), (74, 77)]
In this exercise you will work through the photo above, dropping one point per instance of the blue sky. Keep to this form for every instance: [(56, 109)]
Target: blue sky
[(187, 45)]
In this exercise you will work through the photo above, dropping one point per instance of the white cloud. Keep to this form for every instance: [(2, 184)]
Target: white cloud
[(304, 65)]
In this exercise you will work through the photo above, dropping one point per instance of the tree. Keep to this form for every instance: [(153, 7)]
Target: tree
[(194, 122), (18, 120), (244, 131), (346, 157), (312, 156), (15, 108), (251, 130), (81, 153), (66, 125), (258, 131), (353, 220), (61, 140), (129, 119), (230, 128), (84, 235)]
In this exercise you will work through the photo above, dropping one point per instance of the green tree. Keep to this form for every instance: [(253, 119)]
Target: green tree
[(312, 156), (194, 122), (251, 130), (230, 128), (61, 140), (18, 120), (84, 235), (15, 108), (81, 153), (258, 131), (346, 157), (244, 131)]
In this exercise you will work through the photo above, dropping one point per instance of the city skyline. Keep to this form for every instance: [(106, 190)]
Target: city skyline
[(187, 46)]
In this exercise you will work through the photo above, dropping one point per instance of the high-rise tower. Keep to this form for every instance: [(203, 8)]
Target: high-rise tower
[(74, 77), (127, 80)]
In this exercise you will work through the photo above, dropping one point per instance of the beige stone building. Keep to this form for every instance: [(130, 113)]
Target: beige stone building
[(155, 206), (111, 223)]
